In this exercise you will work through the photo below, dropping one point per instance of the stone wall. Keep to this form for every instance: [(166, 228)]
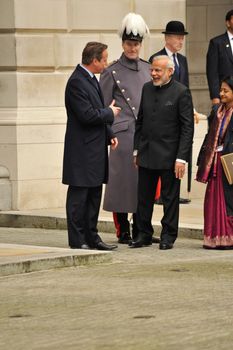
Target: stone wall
[(41, 43)]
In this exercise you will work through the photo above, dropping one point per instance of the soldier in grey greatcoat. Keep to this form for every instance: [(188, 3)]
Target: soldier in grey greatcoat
[(123, 81)]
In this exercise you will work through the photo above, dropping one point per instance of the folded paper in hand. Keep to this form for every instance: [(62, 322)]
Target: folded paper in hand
[(227, 163)]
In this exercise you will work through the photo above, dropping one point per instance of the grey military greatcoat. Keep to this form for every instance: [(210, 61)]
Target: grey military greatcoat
[(123, 81)]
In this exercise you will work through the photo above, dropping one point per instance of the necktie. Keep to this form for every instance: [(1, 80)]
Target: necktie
[(95, 81), (177, 68)]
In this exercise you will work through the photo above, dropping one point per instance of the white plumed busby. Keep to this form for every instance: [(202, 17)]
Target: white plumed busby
[(133, 27)]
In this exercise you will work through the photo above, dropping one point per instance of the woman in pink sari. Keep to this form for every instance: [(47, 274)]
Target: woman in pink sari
[(218, 203)]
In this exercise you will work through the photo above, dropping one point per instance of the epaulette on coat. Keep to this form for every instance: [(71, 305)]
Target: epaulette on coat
[(144, 61), (112, 63)]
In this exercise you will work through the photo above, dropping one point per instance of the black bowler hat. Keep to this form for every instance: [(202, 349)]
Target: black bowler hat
[(175, 27)]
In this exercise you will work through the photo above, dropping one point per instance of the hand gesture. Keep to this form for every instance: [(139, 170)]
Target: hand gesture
[(179, 170), (114, 143), (135, 161), (116, 110)]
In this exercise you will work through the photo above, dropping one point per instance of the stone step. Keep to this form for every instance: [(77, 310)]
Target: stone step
[(17, 258)]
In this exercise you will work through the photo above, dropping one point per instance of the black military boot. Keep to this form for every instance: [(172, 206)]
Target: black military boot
[(125, 238), (124, 226)]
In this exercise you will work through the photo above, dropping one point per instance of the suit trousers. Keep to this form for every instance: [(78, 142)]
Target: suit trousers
[(82, 211), (170, 191)]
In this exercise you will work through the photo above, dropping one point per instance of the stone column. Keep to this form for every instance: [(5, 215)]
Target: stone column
[(32, 112), (5, 189)]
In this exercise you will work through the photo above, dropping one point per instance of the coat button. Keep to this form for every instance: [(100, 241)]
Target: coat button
[(118, 81), (114, 72), (128, 99), (133, 108), (123, 90)]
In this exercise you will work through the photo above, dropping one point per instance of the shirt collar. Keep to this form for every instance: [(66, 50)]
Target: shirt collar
[(160, 86), (169, 53), (230, 35), (90, 73)]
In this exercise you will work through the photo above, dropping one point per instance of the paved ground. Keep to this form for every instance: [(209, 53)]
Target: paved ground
[(16, 258), (144, 299)]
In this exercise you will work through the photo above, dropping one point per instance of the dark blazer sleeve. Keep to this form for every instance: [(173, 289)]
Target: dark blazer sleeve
[(82, 101), (186, 125), (212, 63), (184, 73), (187, 74), (139, 122), (110, 134)]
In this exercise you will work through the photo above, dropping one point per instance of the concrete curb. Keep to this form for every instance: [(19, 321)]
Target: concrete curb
[(22, 261), (32, 221), (59, 223)]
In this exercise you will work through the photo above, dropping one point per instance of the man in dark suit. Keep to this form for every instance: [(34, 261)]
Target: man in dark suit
[(88, 133), (219, 63), (174, 39), (163, 137)]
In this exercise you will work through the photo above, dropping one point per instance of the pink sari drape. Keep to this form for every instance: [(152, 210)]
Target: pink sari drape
[(218, 227)]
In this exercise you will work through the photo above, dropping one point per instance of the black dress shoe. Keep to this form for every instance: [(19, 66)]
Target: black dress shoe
[(165, 246), (184, 201), (125, 238), (155, 240), (103, 246), (139, 243)]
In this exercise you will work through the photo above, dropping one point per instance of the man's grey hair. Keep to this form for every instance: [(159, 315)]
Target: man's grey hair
[(170, 63)]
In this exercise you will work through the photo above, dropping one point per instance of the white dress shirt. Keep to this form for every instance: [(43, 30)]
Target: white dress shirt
[(170, 55), (230, 36)]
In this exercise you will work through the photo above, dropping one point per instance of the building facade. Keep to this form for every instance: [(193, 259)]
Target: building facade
[(41, 42)]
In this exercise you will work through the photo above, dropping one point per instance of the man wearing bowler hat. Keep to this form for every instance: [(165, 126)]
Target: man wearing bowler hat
[(174, 39)]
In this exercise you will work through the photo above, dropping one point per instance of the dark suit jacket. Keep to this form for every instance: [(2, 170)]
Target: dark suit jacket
[(219, 63), (183, 64), (164, 128), (85, 161)]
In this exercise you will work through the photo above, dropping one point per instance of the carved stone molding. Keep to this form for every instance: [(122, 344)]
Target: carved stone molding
[(198, 81), (32, 116)]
